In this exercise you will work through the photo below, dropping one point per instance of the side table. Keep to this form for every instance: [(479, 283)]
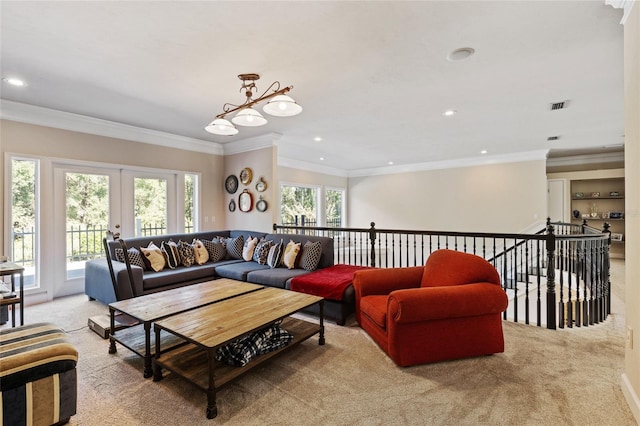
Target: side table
[(12, 269)]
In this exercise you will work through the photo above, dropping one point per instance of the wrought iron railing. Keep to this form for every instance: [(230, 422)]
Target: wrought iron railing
[(528, 264)]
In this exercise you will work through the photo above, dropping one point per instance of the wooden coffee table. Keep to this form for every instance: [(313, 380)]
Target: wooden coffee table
[(207, 328), (152, 307)]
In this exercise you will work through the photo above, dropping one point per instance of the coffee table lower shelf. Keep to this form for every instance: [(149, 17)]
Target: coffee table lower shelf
[(191, 362)]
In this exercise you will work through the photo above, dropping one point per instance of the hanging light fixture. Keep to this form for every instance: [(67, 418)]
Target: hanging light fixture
[(278, 105)]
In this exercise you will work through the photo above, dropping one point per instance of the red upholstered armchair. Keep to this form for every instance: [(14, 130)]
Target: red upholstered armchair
[(450, 308)]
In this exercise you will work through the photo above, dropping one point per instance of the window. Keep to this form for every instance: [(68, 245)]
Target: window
[(298, 205), (24, 218), (150, 206), (334, 207), (190, 185)]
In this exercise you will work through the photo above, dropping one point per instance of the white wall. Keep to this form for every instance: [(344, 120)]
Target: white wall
[(490, 198), (261, 162), (631, 376)]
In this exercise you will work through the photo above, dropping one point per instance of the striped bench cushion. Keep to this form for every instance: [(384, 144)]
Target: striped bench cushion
[(38, 383)]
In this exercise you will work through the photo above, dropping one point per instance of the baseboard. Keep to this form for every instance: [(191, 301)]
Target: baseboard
[(631, 397)]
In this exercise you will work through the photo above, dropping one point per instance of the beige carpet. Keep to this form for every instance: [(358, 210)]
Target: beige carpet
[(564, 377)]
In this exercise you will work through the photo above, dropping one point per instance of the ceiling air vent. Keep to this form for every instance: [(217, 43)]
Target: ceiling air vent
[(553, 138), (559, 105)]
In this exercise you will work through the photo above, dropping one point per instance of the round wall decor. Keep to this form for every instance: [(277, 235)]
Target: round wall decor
[(232, 206), (261, 205), (231, 184), (246, 175), (245, 201)]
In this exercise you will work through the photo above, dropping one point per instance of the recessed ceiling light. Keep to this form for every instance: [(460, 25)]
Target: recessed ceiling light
[(484, 151), (390, 163), (321, 158), (461, 54), (317, 139), (449, 112), (14, 81)]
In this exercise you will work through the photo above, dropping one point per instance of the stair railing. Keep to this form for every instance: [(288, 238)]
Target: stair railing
[(527, 263)]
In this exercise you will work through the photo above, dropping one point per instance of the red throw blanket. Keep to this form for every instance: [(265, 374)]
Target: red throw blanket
[(329, 283)]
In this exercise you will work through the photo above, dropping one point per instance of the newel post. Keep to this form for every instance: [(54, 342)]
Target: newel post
[(607, 271), (372, 238), (551, 275)]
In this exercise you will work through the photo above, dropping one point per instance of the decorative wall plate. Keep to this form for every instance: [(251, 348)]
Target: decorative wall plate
[(261, 205), (232, 206), (245, 201), (231, 184), (246, 175), (261, 186)]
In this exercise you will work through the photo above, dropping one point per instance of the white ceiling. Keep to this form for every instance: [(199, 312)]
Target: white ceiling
[(372, 77)]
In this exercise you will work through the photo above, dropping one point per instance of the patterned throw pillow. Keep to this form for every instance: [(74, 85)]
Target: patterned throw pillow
[(200, 252), (234, 247), (290, 254), (170, 251), (275, 255), (248, 248), (261, 253), (153, 256), (310, 257), (135, 258), (216, 250), (186, 253)]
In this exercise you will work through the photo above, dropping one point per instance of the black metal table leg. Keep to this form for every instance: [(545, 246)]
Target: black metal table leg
[(212, 409), (112, 330), (321, 338), (148, 372), (157, 370)]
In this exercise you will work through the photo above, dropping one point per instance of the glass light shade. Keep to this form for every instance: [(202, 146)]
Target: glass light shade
[(220, 126), (249, 117), (282, 106)]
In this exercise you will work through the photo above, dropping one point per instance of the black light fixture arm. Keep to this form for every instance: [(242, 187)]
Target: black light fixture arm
[(249, 102)]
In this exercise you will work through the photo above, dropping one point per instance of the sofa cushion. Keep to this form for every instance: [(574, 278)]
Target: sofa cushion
[(234, 247), (200, 253), (261, 252), (276, 277), (248, 248), (153, 257), (290, 254), (275, 255), (216, 250), (135, 258), (327, 245), (375, 307), (187, 257), (170, 251), (239, 270), (152, 280), (310, 256), (449, 267)]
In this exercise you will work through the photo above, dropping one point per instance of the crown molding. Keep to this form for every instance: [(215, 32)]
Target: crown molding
[(625, 5), (31, 114), (302, 165), (576, 160), (251, 144), (453, 164)]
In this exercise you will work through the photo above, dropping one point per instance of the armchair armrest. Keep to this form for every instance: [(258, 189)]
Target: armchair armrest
[(432, 303), (385, 280)]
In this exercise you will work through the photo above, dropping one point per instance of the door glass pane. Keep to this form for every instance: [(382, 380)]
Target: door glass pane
[(87, 216), (334, 207), (24, 217), (150, 198), (298, 205), (189, 202)]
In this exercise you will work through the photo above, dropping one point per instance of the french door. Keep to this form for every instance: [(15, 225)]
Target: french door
[(90, 201)]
